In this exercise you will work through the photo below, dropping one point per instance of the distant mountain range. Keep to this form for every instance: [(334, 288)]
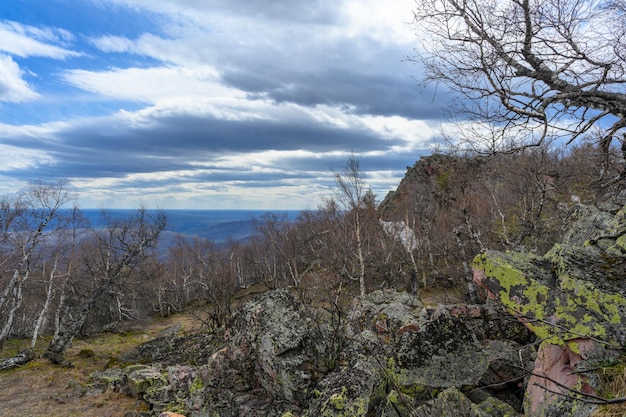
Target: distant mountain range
[(219, 226)]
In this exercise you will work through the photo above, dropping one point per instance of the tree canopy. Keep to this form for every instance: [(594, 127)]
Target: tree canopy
[(528, 70)]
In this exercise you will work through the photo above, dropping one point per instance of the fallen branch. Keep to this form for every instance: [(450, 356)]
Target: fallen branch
[(20, 359)]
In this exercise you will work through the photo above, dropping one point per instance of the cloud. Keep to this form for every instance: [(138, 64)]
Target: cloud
[(234, 151), (313, 11), (23, 40), (340, 54), (169, 138), (13, 158), (12, 87), (150, 85), (213, 103)]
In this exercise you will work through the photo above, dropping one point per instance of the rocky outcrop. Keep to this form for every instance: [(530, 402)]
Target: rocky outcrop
[(389, 357), (574, 299), (531, 350)]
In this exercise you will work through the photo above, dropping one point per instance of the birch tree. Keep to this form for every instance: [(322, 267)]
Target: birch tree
[(28, 221), (353, 197), (116, 252)]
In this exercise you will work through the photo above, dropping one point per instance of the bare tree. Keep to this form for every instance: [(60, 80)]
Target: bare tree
[(527, 70), (113, 254), (28, 223), (354, 197), (198, 271)]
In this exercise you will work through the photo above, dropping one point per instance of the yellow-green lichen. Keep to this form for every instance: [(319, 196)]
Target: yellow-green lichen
[(581, 294), (338, 400), (494, 407), (177, 406), (573, 346), (340, 405), (581, 309), (517, 292), (403, 382), (196, 385)]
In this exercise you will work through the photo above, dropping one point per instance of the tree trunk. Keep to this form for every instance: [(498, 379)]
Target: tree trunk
[(16, 303), (359, 243), (41, 320), (69, 327), (20, 359)]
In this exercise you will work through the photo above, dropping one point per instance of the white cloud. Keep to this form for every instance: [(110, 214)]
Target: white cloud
[(110, 43), (387, 22), (152, 85), (415, 133), (13, 158), (24, 41), (184, 189), (203, 31), (12, 87)]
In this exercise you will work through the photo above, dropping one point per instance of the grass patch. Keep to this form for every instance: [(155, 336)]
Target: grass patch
[(41, 389), (612, 385)]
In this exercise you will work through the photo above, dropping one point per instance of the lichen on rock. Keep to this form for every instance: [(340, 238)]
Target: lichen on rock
[(574, 299)]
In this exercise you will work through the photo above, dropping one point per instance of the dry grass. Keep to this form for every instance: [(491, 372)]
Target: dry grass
[(40, 389), (612, 385), (435, 297)]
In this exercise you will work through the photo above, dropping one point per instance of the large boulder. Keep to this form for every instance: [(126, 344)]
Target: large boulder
[(574, 299), (373, 326), (274, 338), (272, 351), (400, 355)]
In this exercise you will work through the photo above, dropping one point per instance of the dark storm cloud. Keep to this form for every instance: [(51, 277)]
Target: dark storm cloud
[(366, 95), (106, 147), (257, 135), (357, 74)]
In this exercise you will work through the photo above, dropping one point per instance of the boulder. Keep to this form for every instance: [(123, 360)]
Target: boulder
[(574, 299), (398, 356), (170, 349), (387, 314), (144, 382), (568, 294), (441, 354), (273, 338), (556, 369), (268, 363), (350, 391)]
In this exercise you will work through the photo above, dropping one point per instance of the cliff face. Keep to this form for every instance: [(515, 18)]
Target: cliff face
[(459, 206), (435, 181)]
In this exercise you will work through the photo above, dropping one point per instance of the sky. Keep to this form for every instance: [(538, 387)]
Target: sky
[(210, 104)]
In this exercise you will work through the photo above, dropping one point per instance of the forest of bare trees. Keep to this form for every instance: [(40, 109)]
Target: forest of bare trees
[(60, 278), (540, 114)]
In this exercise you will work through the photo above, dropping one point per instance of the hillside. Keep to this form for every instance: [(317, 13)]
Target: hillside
[(518, 309)]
